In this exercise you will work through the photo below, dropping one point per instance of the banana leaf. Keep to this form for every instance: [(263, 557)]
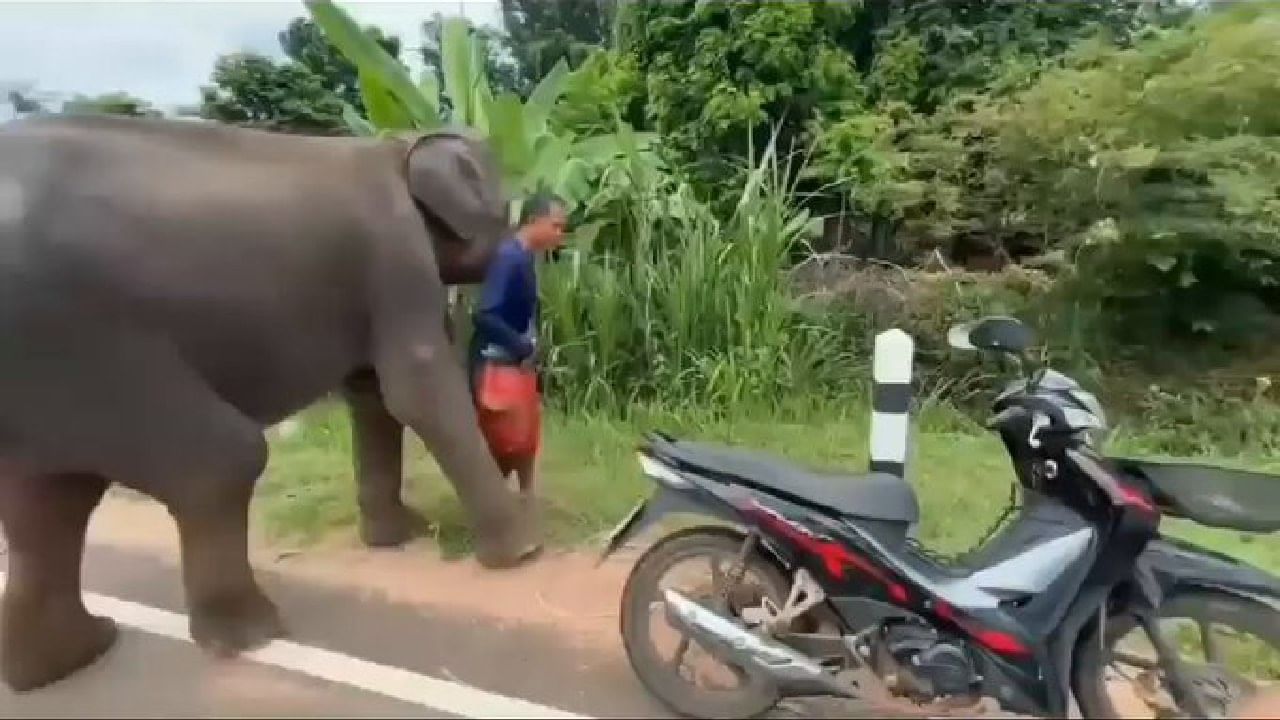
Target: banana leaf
[(481, 105), (602, 148), (355, 123), (368, 55), (429, 86), (544, 96), (571, 184), (384, 110), (508, 134), (455, 57), (550, 155)]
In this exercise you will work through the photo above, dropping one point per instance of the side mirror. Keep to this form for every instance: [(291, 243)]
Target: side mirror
[(995, 333)]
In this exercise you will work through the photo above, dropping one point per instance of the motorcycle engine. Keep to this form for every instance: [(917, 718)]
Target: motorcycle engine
[(918, 662)]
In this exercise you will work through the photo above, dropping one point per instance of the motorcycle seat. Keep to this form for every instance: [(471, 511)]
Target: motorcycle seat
[(874, 496), (1214, 496)]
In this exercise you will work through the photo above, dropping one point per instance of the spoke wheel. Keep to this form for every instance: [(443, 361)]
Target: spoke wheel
[(1229, 648), (672, 665)]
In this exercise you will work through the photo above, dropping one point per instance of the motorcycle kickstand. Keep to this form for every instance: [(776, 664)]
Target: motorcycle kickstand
[(1167, 655)]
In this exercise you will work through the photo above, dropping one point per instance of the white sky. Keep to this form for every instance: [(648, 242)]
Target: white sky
[(163, 50)]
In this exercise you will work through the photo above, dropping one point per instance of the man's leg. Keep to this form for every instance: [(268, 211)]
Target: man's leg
[(528, 462)]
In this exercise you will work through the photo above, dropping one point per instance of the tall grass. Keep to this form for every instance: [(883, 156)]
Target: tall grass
[(667, 303)]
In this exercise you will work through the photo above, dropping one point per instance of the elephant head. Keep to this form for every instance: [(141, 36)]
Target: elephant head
[(456, 183)]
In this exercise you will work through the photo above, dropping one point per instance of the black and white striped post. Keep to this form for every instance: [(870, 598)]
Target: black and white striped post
[(891, 402)]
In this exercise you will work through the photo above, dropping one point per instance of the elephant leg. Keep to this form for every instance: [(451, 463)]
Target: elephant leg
[(378, 440), (170, 436), (210, 503), (426, 388), (46, 633), (228, 611)]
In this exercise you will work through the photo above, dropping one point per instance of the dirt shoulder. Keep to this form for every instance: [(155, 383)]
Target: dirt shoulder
[(562, 589)]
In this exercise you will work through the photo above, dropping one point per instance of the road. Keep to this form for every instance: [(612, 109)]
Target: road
[(347, 656)]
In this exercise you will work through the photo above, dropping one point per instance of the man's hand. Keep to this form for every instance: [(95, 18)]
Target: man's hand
[(532, 360)]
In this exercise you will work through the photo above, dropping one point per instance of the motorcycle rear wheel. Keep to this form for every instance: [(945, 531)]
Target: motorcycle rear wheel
[(642, 595), (1212, 609)]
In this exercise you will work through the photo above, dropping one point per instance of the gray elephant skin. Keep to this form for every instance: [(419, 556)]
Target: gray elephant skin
[(168, 290)]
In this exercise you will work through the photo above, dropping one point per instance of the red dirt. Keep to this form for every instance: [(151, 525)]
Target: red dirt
[(561, 589)]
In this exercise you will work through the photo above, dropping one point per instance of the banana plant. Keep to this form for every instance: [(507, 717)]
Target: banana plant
[(532, 153)]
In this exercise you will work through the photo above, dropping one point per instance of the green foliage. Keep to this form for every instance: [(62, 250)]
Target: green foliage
[(251, 89), (607, 85), (591, 480), (1142, 155), (307, 93), (304, 43), (541, 33), (719, 74), (635, 317), (931, 50), (1199, 421), (110, 104), (502, 69), (1156, 167), (533, 152)]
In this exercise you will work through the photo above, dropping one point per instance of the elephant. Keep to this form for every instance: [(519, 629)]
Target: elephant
[(168, 290)]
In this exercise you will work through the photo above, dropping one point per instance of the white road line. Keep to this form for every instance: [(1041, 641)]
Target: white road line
[(449, 697)]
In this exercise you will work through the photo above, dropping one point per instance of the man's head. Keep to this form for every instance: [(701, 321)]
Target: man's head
[(542, 222)]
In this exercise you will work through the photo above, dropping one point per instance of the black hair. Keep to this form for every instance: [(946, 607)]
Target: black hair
[(539, 205)]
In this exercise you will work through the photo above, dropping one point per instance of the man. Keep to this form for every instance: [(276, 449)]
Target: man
[(503, 353)]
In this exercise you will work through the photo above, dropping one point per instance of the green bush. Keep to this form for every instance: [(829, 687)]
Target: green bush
[(665, 302), (863, 299), (1154, 168)]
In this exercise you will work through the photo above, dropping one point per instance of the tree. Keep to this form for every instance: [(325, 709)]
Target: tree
[(24, 105), (967, 45), (251, 89), (533, 151), (542, 32), (304, 43), (1153, 167), (117, 103), (500, 66), (720, 75), (306, 93), (24, 99)]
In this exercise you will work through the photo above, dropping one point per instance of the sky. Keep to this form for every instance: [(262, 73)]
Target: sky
[(163, 50)]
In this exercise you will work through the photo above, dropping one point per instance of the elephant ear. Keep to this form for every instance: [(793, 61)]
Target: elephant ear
[(455, 178)]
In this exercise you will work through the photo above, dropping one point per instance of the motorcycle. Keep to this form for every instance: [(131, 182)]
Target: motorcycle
[(818, 586)]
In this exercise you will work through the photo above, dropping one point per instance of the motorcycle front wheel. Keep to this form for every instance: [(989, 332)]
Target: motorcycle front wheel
[(673, 675), (1229, 647)]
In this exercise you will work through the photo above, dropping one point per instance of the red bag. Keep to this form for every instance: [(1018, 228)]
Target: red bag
[(510, 410)]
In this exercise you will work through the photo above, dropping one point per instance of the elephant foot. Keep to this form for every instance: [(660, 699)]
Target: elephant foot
[(232, 625), (510, 547), (392, 528), (45, 647)]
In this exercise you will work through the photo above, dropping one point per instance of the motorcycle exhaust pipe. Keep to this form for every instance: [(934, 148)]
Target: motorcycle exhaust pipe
[(793, 674)]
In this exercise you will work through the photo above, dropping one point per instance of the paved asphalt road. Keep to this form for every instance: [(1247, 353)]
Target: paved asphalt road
[(361, 642), (347, 656)]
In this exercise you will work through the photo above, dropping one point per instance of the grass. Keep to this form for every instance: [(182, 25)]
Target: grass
[(590, 478)]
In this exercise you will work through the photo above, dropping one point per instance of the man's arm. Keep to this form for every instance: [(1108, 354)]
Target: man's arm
[(488, 317)]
